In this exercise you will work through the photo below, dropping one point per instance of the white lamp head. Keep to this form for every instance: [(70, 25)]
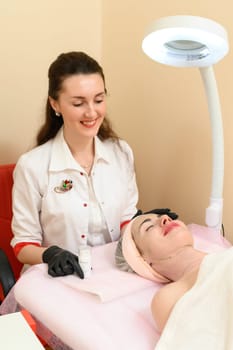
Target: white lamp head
[(185, 41)]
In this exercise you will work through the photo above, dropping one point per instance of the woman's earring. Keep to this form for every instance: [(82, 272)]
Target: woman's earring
[(57, 114)]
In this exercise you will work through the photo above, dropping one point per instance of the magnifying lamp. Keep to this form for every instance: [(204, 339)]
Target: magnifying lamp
[(190, 41)]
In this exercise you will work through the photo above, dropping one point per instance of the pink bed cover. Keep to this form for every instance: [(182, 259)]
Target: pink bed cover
[(109, 310)]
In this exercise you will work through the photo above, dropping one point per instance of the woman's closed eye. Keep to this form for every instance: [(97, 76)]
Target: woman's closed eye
[(149, 227), (99, 100), (79, 104)]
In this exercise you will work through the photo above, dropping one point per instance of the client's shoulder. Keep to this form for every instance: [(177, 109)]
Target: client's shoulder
[(165, 299)]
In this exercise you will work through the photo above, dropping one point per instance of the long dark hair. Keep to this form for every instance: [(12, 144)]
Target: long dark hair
[(68, 64)]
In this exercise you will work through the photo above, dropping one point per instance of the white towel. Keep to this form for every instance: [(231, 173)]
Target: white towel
[(203, 318)]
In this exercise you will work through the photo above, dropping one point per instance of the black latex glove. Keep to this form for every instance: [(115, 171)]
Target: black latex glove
[(159, 212), (61, 262)]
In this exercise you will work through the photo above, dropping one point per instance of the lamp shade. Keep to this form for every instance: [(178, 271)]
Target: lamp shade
[(185, 41)]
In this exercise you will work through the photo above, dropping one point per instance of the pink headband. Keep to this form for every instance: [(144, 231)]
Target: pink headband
[(135, 260)]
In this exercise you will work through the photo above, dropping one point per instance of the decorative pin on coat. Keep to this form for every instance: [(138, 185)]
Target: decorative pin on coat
[(65, 186)]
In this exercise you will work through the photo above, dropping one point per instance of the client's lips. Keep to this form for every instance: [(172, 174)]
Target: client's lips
[(170, 227)]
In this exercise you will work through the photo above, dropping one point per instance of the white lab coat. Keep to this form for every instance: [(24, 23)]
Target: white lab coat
[(41, 215)]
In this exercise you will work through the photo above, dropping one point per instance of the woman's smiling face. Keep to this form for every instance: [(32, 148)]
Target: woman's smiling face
[(158, 237), (82, 104)]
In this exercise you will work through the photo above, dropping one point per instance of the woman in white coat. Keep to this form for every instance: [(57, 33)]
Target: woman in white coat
[(78, 186)]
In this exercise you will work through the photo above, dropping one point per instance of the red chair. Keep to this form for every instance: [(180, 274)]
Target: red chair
[(10, 267)]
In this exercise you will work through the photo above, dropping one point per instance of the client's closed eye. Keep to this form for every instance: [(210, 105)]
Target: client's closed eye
[(149, 227)]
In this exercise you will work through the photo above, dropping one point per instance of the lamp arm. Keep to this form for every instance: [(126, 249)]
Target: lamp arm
[(214, 211)]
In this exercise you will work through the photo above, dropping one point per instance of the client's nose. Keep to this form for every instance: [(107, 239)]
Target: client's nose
[(164, 219)]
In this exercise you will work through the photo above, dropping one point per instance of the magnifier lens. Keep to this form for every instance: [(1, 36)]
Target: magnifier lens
[(188, 49)]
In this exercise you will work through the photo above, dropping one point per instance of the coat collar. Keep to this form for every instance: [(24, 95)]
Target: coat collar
[(61, 156)]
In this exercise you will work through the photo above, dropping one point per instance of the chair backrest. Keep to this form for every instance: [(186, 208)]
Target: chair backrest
[(6, 183)]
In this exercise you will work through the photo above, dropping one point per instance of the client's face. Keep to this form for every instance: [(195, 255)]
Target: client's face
[(159, 237)]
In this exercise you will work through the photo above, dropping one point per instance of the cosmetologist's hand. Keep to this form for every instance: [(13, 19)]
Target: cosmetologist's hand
[(61, 262), (161, 211)]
